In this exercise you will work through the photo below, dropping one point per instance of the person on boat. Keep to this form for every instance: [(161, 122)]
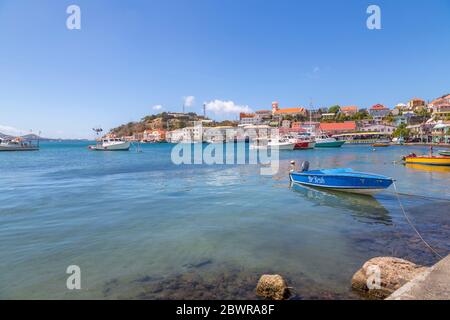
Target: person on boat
[(431, 151), (292, 169)]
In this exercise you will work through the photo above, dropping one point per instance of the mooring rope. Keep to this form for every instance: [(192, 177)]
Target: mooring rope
[(419, 196), (412, 225)]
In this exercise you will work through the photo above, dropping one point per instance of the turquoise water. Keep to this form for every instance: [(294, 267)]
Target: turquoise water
[(140, 227)]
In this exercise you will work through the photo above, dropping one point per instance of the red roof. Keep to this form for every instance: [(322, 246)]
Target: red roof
[(349, 108), (378, 107), (338, 126), (291, 110)]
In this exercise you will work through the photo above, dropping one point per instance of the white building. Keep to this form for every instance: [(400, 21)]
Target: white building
[(378, 128)]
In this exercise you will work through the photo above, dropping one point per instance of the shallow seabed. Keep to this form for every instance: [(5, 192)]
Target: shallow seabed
[(141, 227)]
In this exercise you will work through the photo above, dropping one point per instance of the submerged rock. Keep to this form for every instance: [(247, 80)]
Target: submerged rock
[(272, 287), (380, 277)]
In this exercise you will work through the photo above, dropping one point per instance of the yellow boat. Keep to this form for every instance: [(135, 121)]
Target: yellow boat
[(428, 160), (378, 145)]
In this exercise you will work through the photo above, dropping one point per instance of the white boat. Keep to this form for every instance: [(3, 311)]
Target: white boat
[(301, 141), (17, 145), (111, 144), (275, 143)]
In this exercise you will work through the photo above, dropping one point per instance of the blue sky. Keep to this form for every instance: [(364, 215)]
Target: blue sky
[(130, 56)]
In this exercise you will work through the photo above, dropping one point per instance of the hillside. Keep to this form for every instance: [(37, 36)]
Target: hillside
[(25, 137), (161, 121)]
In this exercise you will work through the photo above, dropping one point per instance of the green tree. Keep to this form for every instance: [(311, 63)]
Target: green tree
[(402, 131), (334, 109)]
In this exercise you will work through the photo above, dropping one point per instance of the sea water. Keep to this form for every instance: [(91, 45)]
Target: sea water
[(141, 227)]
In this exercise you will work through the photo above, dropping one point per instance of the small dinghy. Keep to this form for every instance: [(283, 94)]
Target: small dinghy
[(345, 179)]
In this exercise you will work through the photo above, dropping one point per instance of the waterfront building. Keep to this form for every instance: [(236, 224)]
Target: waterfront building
[(362, 137), (349, 110), (337, 127), (382, 128), (441, 132), (421, 132), (153, 136), (194, 133)]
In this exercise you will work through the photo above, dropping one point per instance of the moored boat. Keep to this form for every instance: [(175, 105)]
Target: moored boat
[(17, 145), (444, 153), (345, 179), (328, 142), (301, 142), (381, 144), (275, 143), (428, 160), (111, 144)]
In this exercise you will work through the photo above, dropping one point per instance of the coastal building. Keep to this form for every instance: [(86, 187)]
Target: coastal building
[(219, 133), (264, 115), (439, 105), (328, 116), (442, 111), (276, 111), (194, 133), (441, 132), (379, 111), (249, 118), (286, 124), (153, 136), (401, 106), (337, 127), (421, 132), (382, 128), (408, 118), (349, 110), (416, 104)]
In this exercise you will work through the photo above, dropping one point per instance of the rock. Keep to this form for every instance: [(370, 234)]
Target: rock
[(393, 273), (272, 287)]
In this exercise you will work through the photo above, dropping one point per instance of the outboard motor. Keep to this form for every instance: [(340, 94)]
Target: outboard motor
[(305, 166)]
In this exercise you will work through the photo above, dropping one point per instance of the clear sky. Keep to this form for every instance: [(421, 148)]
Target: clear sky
[(131, 56)]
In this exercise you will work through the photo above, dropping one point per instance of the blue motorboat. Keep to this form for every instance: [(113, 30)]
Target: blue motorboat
[(345, 179)]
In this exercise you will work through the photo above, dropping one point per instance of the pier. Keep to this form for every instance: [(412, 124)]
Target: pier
[(432, 284)]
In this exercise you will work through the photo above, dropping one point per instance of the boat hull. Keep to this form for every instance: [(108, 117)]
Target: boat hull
[(444, 153), (347, 183), (333, 144), (380, 145), (304, 145), (114, 147), (10, 149), (432, 161)]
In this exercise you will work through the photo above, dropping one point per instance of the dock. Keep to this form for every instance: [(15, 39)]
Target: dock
[(432, 284)]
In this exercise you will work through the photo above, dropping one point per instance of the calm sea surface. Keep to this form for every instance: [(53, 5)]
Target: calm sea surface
[(140, 227)]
